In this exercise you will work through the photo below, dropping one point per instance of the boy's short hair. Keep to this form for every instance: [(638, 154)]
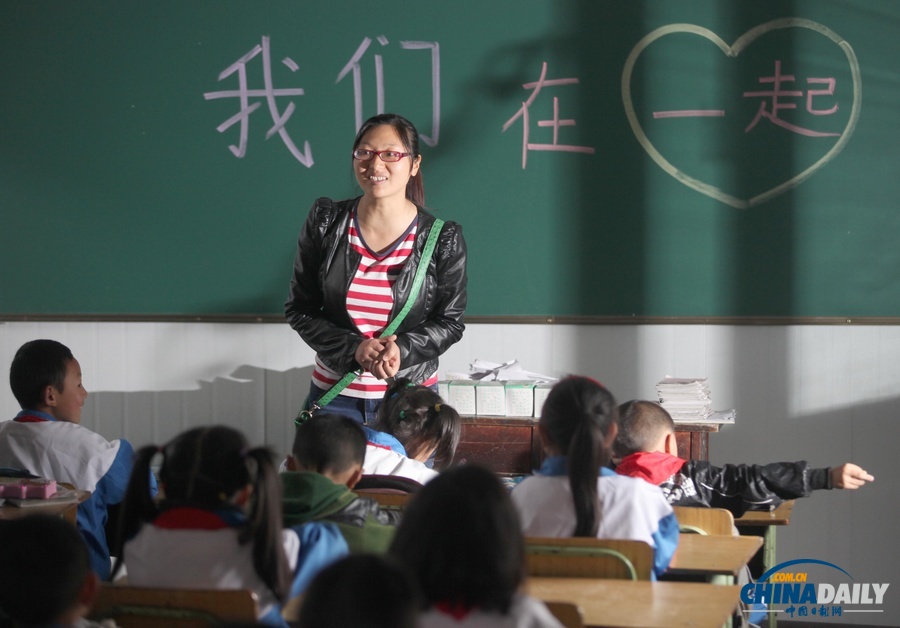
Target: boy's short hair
[(329, 443), (36, 365), (45, 566), (641, 425)]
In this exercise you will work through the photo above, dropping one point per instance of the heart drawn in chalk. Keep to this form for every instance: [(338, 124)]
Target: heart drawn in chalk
[(733, 51)]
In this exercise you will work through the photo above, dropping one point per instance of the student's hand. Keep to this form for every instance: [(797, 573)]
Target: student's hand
[(850, 476)]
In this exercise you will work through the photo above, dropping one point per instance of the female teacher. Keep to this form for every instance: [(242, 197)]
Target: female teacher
[(354, 271)]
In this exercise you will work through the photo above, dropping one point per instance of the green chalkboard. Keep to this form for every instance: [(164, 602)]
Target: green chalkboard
[(629, 159)]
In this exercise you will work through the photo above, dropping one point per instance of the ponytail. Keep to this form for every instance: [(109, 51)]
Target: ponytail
[(447, 430), (264, 525), (138, 507), (577, 416), (584, 462)]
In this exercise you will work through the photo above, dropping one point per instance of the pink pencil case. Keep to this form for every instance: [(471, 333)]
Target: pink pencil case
[(28, 489)]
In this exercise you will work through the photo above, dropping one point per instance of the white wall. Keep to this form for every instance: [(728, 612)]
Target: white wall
[(827, 394)]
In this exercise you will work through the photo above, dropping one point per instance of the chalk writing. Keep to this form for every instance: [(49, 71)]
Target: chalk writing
[(777, 93), (353, 66), (243, 94), (771, 113), (555, 123)]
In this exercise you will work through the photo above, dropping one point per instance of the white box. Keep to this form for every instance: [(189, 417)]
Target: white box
[(444, 391), (462, 396), (490, 398), (519, 398), (541, 390)]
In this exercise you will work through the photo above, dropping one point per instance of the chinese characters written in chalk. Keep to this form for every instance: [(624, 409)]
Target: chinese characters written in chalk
[(555, 123), (774, 101), (280, 117)]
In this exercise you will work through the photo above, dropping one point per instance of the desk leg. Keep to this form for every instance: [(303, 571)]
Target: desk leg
[(769, 562)]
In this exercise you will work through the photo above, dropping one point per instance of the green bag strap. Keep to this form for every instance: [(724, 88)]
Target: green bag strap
[(418, 280)]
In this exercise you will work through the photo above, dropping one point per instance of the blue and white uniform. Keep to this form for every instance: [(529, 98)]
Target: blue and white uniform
[(190, 548), (68, 452), (631, 509)]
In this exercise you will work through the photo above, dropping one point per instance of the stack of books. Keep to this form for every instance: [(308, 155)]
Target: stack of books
[(688, 401)]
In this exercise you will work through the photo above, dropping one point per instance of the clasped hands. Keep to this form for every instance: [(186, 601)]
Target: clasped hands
[(379, 356)]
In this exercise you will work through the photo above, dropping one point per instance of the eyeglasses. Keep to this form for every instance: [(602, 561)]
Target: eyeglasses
[(387, 156)]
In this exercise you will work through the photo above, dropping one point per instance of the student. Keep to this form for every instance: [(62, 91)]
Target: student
[(412, 426), (355, 263), (574, 494), (47, 440), (459, 536), (647, 448), (46, 578), (219, 525), (326, 462), (362, 591)]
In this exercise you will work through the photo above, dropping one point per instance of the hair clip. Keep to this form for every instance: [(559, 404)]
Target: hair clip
[(437, 407), (402, 414)]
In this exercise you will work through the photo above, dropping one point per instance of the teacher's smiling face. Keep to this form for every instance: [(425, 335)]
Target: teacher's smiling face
[(378, 175)]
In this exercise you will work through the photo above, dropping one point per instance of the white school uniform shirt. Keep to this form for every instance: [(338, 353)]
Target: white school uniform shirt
[(200, 559), (635, 510), (381, 460), (58, 450), (525, 612)]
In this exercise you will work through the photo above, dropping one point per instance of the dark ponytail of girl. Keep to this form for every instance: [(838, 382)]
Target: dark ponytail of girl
[(264, 525), (577, 416), (138, 507)]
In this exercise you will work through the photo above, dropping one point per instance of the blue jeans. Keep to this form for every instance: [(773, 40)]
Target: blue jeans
[(360, 410)]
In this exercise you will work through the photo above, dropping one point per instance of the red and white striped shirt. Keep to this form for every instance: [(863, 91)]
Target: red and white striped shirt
[(369, 304)]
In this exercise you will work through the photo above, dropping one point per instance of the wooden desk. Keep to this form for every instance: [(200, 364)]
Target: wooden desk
[(713, 555), (641, 604), (512, 445), (68, 510)]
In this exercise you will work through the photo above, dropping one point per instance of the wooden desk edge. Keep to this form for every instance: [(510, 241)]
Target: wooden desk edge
[(753, 544), (725, 595), (781, 516)]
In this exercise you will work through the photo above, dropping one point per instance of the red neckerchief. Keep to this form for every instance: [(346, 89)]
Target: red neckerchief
[(456, 610), (380, 446), (653, 466), (187, 518), (30, 418)]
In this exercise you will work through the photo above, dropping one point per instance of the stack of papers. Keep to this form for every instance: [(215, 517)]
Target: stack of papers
[(486, 371), (686, 400)]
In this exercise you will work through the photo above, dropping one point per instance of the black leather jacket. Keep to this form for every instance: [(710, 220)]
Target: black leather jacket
[(324, 266), (743, 487)]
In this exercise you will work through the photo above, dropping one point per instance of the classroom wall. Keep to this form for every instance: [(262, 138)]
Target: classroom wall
[(827, 394)]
